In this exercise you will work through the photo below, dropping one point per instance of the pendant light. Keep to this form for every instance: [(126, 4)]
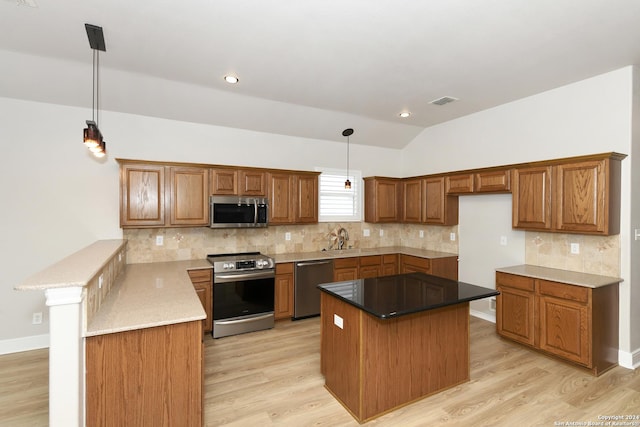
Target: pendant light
[(92, 136), (347, 132)]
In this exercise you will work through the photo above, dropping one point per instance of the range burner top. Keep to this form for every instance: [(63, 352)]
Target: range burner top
[(243, 261)]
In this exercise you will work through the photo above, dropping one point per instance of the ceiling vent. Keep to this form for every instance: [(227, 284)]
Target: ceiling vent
[(443, 100)]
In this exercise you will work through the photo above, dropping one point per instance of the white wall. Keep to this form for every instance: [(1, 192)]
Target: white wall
[(484, 220), (58, 199), (586, 117)]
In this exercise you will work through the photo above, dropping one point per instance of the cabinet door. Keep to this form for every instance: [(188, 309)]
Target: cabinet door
[(370, 271), (252, 183), (581, 204), (412, 196), (412, 264), (382, 200), (202, 283), (532, 198), (224, 182), (493, 181), (515, 314), (306, 198), (438, 207), (281, 192), (344, 274), (142, 195), (283, 306), (459, 184), (189, 196), (564, 329)]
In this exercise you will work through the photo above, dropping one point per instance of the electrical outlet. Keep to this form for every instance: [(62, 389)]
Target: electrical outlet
[(452, 237), (159, 240), (575, 248), (503, 240), (365, 232), (338, 321), (100, 279), (37, 318), (421, 234), (287, 236), (381, 233)]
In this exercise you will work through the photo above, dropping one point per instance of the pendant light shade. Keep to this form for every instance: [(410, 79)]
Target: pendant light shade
[(92, 137), (347, 132)]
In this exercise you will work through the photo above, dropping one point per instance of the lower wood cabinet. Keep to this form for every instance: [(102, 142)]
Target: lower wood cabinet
[(146, 377), (370, 266), (446, 267), (283, 298), (203, 284), (345, 269), (578, 324)]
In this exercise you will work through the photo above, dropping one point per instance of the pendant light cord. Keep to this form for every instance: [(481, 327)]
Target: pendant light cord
[(93, 89)]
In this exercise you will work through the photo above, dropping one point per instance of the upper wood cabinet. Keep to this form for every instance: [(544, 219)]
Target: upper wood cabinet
[(382, 199), (293, 198), (238, 182), (188, 196), (532, 198), (459, 184), (142, 195), (482, 181), (306, 196), (412, 197), (581, 196), (438, 207), (585, 200)]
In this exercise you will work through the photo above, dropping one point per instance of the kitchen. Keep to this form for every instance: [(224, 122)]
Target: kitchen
[(558, 123)]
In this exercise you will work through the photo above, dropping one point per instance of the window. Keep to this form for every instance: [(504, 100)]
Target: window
[(337, 203)]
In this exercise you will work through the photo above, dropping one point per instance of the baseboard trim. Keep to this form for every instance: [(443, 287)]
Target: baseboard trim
[(482, 315), (17, 345), (629, 360)]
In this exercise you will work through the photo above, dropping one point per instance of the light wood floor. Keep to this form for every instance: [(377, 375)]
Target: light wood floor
[(272, 378)]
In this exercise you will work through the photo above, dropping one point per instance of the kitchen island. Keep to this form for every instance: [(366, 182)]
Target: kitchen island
[(392, 340)]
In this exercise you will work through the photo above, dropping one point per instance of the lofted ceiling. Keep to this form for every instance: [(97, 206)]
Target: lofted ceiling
[(310, 68)]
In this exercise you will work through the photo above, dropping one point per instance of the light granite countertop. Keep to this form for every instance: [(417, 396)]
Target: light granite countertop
[(564, 276), (149, 295), (348, 253)]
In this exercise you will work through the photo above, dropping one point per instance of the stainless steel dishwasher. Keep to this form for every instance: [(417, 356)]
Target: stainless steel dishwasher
[(308, 275)]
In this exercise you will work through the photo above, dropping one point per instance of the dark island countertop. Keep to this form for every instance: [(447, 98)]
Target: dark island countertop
[(392, 296)]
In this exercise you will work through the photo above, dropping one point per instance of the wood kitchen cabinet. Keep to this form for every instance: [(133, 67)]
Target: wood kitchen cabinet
[(238, 182), (412, 200), (492, 181), (345, 269), (283, 298), (370, 266), (382, 199), (155, 195), (293, 198), (576, 323), (151, 376), (142, 192), (459, 184), (446, 267), (572, 196), (202, 280), (389, 264), (438, 207), (188, 196)]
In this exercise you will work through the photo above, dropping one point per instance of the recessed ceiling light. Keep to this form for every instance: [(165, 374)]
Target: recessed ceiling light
[(231, 79), (404, 114)]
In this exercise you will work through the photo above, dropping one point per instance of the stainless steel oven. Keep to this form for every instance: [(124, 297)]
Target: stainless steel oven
[(243, 293)]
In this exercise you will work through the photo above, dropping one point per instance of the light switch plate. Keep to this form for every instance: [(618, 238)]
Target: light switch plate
[(503, 240), (421, 234), (159, 240), (287, 236), (381, 233), (452, 237), (365, 232), (575, 248)]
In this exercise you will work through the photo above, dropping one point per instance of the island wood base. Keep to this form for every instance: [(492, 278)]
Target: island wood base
[(373, 366)]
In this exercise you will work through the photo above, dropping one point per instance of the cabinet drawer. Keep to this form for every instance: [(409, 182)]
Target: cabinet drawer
[(564, 291), (494, 181), (286, 268), (513, 281), (371, 260), (459, 184), (201, 275), (390, 259), (345, 262), (415, 261)]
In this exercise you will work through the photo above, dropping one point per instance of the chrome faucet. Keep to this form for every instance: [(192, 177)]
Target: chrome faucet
[(343, 235)]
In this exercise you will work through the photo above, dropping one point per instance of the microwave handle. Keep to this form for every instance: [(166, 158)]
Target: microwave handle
[(255, 211)]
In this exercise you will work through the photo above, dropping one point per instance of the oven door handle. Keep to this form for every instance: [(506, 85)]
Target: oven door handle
[(249, 319), (226, 278)]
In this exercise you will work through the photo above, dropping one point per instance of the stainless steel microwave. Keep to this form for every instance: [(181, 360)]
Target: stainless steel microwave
[(238, 211)]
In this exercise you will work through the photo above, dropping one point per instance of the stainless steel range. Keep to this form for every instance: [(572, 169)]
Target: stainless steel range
[(243, 293)]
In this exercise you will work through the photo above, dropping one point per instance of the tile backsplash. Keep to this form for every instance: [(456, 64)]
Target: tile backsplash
[(598, 254)]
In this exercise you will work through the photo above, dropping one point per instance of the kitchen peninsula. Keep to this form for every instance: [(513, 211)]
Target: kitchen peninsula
[(389, 341)]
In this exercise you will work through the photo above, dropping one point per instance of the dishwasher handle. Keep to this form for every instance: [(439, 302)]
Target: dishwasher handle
[(307, 263)]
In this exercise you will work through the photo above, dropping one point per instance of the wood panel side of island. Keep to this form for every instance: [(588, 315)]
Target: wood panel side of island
[(146, 377)]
